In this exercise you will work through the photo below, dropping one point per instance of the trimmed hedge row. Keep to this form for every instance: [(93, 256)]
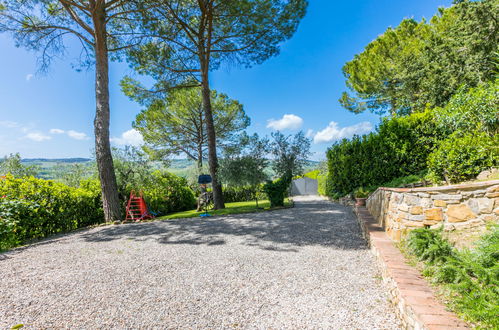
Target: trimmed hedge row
[(32, 208)]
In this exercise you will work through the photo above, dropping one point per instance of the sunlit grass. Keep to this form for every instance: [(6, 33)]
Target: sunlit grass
[(230, 208)]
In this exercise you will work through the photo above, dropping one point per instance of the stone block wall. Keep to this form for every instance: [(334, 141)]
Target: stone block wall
[(463, 210)]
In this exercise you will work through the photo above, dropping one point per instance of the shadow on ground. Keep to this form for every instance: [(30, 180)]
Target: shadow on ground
[(310, 222)]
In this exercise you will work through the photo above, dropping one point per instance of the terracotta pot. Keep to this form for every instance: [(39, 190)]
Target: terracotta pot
[(360, 201)]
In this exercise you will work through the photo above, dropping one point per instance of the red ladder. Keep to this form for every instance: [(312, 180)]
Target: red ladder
[(136, 208)]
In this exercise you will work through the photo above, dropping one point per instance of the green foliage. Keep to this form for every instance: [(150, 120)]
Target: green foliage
[(470, 276), (399, 182), (361, 193), (35, 208), (421, 64), (476, 109), (244, 162), (12, 165), (400, 147), (290, 153), (277, 191), (428, 245), (242, 194), (174, 123), (166, 193), (462, 157), (311, 175)]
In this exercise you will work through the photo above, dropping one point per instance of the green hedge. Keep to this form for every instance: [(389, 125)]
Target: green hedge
[(277, 191), (242, 194), (399, 147), (32, 208)]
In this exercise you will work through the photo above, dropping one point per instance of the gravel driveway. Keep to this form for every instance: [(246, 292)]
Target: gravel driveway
[(306, 267)]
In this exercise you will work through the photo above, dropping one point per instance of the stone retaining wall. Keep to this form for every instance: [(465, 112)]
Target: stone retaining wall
[(463, 210)]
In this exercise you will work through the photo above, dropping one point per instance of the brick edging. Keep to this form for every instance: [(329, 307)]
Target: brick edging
[(413, 298)]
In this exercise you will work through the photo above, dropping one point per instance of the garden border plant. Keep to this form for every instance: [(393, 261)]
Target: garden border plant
[(468, 279)]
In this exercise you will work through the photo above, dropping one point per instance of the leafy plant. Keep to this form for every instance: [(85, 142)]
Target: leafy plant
[(463, 156), (470, 277), (361, 193), (277, 191), (428, 245)]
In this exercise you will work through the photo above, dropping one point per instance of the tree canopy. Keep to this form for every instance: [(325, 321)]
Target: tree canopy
[(422, 64), (290, 154), (176, 124), (189, 39)]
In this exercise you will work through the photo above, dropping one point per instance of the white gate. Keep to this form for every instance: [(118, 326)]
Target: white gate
[(304, 186)]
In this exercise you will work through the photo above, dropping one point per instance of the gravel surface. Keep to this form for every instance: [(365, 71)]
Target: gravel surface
[(306, 267)]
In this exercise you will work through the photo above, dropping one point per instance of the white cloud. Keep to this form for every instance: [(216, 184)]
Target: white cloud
[(310, 133), (289, 121), (9, 124), (38, 137), (71, 133), (333, 132), (77, 135), (29, 76), (129, 138)]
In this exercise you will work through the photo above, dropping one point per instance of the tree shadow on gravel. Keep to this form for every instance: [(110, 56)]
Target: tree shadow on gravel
[(317, 223)]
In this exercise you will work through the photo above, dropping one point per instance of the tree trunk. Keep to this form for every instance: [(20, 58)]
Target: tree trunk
[(110, 199), (212, 143), (200, 159)]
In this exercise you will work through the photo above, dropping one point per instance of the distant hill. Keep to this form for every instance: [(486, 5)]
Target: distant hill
[(53, 168), (55, 160)]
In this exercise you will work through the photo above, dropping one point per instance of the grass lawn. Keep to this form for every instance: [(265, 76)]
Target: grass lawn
[(230, 208)]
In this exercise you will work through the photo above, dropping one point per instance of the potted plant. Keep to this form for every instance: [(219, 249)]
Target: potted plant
[(361, 196)]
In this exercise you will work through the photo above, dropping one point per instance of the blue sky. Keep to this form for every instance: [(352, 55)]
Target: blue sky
[(51, 115)]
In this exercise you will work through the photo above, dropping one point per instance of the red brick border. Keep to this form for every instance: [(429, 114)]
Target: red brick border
[(413, 298)]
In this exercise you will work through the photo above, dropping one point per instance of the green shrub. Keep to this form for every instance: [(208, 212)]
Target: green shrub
[(361, 193), (166, 193), (400, 147), (37, 208), (462, 157), (428, 245), (11, 213), (470, 276), (277, 191), (322, 185), (242, 194), (472, 110)]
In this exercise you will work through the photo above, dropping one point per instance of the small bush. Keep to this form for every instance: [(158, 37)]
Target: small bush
[(277, 191), (428, 245), (463, 157), (361, 193), (166, 193)]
